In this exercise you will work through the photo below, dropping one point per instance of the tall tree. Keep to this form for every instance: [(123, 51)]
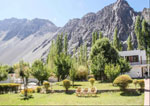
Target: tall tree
[(59, 43), (116, 42), (66, 44), (81, 55), (101, 53), (73, 69), (63, 65), (3, 73), (100, 35), (93, 38), (145, 35), (129, 43), (23, 70), (85, 53), (51, 56), (96, 36), (138, 32)]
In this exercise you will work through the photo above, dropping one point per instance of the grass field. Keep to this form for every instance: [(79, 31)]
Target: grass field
[(100, 86), (71, 99)]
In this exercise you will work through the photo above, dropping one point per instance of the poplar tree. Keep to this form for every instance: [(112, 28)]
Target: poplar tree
[(66, 44), (93, 38), (100, 35), (59, 43), (138, 31), (129, 43), (85, 52), (116, 42), (51, 56), (96, 36), (73, 70)]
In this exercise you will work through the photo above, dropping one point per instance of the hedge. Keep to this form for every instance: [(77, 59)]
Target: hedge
[(9, 87)]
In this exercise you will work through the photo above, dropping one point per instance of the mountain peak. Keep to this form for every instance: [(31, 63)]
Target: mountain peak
[(122, 3)]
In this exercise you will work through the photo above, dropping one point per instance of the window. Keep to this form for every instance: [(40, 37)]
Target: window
[(132, 58)]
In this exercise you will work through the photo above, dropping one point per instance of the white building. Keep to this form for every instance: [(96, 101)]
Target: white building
[(138, 62)]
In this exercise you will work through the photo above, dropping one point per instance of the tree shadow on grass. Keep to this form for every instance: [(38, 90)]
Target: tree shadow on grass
[(88, 96), (26, 98), (76, 85), (130, 93)]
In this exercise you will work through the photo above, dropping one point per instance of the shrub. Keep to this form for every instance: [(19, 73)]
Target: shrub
[(92, 80), (28, 90), (66, 84), (82, 73), (141, 84), (9, 87), (38, 89), (112, 71), (135, 82), (122, 81), (46, 86)]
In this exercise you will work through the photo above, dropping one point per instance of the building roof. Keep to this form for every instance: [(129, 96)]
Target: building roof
[(133, 52)]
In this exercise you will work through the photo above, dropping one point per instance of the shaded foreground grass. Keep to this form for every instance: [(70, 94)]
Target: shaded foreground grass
[(110, 98)]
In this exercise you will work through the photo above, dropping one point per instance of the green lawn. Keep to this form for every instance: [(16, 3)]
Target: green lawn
[(100, 86), (71, 99)]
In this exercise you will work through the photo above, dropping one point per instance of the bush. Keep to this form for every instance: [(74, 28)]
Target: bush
[(141, 84), (38, 89), (122, 81), (9, 87), (28, 90), (112, 71), (82, 73), (92, 80), (46, 86), (66, 84), (135, 82)]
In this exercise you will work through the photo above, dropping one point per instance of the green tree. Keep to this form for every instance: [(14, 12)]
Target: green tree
[(3, 73), (63, 65), (138, 32), (40, 71), (96, 36), (116, 42), (23, 70), (124, 65), (112, 71), (101, 53), (129, 43), (93, 38), (81, 55), (85, 54), (66, 44), (51, 57), (59, 43), (73, 69), (145, 35), (100, 35)]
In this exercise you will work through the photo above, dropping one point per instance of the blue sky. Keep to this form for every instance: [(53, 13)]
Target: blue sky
[(58, 11)]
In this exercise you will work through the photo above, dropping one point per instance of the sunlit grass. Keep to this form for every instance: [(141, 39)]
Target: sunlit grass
[(71, 99)]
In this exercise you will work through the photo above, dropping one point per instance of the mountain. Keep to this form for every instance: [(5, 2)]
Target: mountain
[(117, 15), (31, 39), (19, 39)]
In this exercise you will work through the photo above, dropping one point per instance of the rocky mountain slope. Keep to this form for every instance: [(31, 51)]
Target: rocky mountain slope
[(30, 39), (19, 39), (117, 15)]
